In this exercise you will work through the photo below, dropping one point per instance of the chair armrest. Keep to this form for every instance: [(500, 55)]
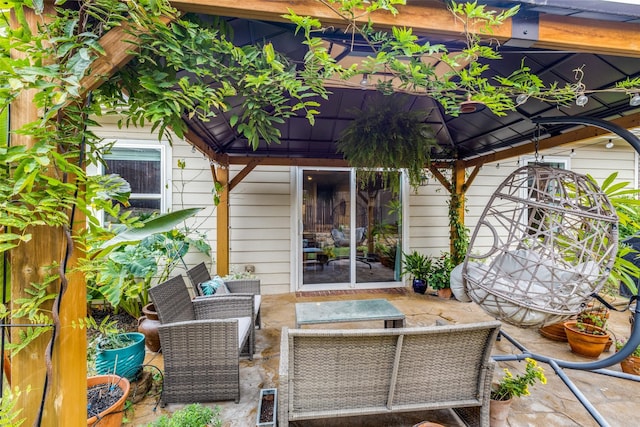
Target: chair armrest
[(283, 378), (249, 286), (224, 306), (197, 341)]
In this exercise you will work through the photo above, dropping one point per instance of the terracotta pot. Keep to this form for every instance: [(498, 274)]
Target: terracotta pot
[(554, 331), (498, 412), (112, 416), (444, 293), (601, 313), (148, 325), (583, 343), (428, 424), (631, 365)]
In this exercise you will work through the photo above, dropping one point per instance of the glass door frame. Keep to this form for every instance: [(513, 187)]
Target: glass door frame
[(298, 230)]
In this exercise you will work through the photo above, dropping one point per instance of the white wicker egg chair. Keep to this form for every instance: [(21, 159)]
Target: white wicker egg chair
[(545, 242)]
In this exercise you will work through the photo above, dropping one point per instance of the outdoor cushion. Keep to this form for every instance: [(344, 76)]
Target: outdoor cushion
[(215, 286), (257, 299), (244, 325)]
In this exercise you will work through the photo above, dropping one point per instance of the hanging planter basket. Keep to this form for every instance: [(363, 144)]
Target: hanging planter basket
[(388, 136)]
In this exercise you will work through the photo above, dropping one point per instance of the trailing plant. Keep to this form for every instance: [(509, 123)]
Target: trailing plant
[(385, 135), (408, 63), (511, 386), (460, 233)]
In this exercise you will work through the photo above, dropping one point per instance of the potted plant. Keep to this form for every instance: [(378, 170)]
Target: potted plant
[(113, 351), (386, 135), (630, 365), (586, 339), (417, 266), (106, 395), (510, 386), (439, 277)]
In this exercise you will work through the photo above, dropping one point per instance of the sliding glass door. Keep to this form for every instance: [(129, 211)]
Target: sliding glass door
[(350, 232)]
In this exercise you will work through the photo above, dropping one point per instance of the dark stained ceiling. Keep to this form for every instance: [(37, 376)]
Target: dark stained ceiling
[(466, 136)]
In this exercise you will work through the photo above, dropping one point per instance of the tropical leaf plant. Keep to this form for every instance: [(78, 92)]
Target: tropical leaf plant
[(627, 206)]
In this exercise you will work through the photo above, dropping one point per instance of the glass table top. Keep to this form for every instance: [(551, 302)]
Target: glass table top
[(346, 311)]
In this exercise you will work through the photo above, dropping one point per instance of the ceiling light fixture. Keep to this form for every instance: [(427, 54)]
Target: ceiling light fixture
[(609, 144), (581, 100), (635, 100), (572, 153)]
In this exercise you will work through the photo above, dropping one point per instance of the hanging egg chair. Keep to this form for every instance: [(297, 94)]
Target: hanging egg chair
[(544, 244)]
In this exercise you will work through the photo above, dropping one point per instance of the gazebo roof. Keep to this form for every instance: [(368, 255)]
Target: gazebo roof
[(476, 137)]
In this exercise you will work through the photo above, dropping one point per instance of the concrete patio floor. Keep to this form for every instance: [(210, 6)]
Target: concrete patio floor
[(552, 404)]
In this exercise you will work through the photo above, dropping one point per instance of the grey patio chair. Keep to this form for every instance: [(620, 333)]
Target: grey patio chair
[(200, 273), (202, 341)]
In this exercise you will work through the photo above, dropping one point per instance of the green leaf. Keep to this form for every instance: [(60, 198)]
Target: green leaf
[(159, 224)]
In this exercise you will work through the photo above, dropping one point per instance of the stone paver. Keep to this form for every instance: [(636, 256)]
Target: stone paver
[(552, 404)]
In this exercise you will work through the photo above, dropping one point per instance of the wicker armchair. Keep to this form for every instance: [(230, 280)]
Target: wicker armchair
[(202, 341), (200, 273)]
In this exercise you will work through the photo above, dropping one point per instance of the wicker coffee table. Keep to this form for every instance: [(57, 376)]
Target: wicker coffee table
[(349, 311)]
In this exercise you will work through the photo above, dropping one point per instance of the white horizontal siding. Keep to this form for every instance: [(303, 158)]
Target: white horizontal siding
[(260, 225), (260, 220)]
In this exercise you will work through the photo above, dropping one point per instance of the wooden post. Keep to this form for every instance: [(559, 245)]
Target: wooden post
[(457, 196), (221, 175), (66, 399)]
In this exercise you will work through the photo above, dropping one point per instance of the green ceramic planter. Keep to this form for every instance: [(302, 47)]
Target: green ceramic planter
[(124, 362)]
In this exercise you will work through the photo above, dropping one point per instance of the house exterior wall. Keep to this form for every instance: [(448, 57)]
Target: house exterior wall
[(262, 224), (428, 222)]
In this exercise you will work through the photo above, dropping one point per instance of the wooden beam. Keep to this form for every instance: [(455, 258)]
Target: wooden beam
[(472, 176), (588, 35), (244, 172), (554, 32), (221, 175), (433, 15), (289, 161), (627, 122), (117, 44), (443, 180), (195, 140)]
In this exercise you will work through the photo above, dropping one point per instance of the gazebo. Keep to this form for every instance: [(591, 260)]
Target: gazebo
[(555, 38)]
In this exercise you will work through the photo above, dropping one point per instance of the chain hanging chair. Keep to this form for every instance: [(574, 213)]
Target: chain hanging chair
[(544, 244)]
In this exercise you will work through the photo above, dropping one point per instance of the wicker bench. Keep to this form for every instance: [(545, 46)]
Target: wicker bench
[(340, 373)]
